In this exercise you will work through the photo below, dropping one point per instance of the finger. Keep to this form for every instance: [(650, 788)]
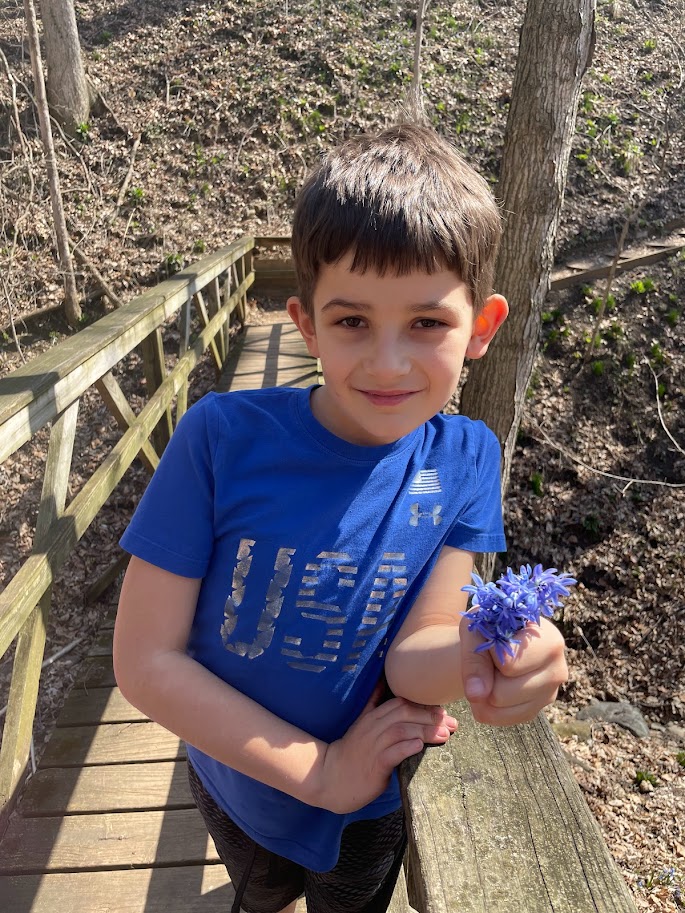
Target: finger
[(539, 644), (398, 752), (398, 732), (535, 686), (477, 669), (505, 716)]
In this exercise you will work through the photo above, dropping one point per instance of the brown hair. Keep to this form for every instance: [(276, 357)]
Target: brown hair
[(402, 200)]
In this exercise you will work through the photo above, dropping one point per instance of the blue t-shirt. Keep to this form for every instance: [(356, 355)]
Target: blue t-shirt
[(311, 551)]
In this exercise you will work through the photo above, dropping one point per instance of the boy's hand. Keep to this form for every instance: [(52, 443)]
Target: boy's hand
[(514, 691), (357, 767)]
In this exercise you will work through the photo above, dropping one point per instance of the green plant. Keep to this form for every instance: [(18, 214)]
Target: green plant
[(629, 360), (136, 196), (587, 103), (83, 131), (643, 776), (657, 354), (642, 286), (680, 758), (649, 45), (661, 389), (199, 246), (598, 368), (672, 317), (591, 524), (536, 483), (104, 37)]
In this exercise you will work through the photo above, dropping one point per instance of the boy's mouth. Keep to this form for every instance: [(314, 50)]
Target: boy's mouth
[(387, 397)]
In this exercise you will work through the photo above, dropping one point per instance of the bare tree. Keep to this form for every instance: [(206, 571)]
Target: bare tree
[(555, 49), (68, 90), (416, 88), (72, 308)]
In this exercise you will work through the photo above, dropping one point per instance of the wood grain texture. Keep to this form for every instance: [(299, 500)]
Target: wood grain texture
[(497, 814), (116, 743), (107, 788)]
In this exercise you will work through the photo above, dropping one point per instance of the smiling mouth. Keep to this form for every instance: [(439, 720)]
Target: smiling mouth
[(387, 397)]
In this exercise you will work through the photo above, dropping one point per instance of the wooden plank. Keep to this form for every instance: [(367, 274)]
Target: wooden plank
[(182, 889), (28, 658), (154, 369), (113, 743), (117, 404), (119, 840), (90, 706), (399, 902), (205, 317), (106, 788), (35, 393), (274, 355), (496, 814)]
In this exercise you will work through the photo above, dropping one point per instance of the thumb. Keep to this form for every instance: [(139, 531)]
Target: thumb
[(477, 669), (377, 696)]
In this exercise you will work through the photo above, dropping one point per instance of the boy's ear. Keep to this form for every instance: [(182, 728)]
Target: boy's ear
[(304, 323), (486, 324)]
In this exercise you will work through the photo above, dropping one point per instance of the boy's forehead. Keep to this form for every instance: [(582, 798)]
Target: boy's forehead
[(337, 283)]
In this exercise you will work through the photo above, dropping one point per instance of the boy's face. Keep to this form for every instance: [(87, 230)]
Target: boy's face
[(391, 347)]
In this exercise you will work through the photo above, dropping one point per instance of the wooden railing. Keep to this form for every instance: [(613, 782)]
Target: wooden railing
[(48, 390)]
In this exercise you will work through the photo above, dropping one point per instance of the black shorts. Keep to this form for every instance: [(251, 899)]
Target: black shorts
[(363, 880)]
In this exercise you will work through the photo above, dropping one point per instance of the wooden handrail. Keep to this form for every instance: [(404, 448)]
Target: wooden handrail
[(48, 389)]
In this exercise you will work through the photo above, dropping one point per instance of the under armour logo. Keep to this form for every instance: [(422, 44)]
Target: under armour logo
[(417, 515)]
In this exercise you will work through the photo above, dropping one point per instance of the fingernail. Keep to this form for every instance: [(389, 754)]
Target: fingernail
[(474, 688)]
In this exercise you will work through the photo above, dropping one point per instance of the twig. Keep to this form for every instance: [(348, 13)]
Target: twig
[(601, 472), (105, 288), (661, 415), (129, 173), (11, 323)]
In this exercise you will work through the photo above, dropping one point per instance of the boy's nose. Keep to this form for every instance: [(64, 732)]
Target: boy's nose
[(387, 359)]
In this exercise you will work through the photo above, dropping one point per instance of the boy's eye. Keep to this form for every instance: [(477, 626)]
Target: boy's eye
[(352, 322), (427, 323)]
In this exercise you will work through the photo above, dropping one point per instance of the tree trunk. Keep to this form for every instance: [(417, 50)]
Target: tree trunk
[(556, 45), (68, 92), (72, 308)]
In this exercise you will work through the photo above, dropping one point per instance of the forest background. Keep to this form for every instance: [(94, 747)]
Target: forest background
[(209, 115)]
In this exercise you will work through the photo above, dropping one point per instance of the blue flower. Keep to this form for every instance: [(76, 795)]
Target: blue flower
[(498, 610)]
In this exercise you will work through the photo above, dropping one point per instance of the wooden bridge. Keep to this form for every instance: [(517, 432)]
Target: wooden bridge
[(106, 824)]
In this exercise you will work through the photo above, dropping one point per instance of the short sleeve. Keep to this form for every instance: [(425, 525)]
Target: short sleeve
[(479, 526), (173, 526)]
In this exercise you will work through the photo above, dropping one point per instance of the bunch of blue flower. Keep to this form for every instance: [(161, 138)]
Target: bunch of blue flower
[(499, 610)]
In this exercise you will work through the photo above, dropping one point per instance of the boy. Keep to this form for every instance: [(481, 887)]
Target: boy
[(296, 546)]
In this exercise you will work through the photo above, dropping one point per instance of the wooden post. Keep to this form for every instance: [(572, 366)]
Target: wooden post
[(155, 372), (213, 305), (28, 659), (184, 333), (200, 302)]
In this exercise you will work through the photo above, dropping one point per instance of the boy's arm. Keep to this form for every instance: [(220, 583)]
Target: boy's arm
[(155, 674), (432, 659)]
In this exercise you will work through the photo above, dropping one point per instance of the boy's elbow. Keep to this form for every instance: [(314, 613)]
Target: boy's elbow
[(425, 673)]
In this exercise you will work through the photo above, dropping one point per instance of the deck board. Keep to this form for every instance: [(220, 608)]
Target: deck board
[(107, 788)]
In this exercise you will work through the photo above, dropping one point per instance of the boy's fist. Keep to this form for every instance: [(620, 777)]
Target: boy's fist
[(513, 691)]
